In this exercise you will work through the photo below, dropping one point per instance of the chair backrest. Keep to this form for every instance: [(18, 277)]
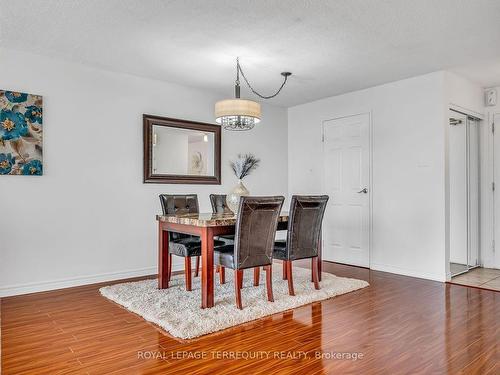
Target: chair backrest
[(255, 230), (219, 205), (173, 204), (304, 225)]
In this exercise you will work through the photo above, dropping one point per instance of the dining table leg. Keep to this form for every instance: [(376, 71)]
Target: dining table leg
[(207, 267), (163, 258)]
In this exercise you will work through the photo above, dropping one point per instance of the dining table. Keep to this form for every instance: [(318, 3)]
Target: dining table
[(206, 226)]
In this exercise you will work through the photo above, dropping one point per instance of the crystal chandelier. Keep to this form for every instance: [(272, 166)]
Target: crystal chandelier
[(242, 114)]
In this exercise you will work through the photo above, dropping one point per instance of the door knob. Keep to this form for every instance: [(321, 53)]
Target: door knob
[(364, 191)]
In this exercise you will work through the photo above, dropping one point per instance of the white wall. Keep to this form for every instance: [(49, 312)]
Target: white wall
[(90, 217), (464, 95), (408, 191)]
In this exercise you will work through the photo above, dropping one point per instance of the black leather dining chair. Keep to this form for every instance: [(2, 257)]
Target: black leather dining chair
[(183, 245), (303, 236), (219, 205), (254, 241)]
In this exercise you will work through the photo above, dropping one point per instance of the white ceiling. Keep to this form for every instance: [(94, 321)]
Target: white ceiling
[(331, 47)]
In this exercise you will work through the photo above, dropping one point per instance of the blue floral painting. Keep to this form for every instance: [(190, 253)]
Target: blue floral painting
[(21, 134)]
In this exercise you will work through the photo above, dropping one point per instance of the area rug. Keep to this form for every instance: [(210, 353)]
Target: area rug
[(178, 311)]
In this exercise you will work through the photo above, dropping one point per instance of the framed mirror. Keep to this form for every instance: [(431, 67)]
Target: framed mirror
[(181, 152)]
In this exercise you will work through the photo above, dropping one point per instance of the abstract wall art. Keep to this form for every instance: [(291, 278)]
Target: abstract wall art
[(21, 134)]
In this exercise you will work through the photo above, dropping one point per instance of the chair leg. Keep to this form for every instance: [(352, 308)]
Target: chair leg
[(196, 270), (269, 283), (284, 269), (222, 274), (241, 279), (256, 276), (312, 267), (315, 271), (187, 272), (290, 277), (238, 276), (169, 267)]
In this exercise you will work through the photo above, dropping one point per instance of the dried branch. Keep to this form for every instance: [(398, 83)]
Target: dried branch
[(244, 165)]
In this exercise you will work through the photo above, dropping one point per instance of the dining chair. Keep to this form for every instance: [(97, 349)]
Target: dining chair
[(253, 245), (219, 205), (303, 236), (183, 245)]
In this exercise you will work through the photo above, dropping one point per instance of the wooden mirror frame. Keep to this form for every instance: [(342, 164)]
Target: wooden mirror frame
[(149, 177)]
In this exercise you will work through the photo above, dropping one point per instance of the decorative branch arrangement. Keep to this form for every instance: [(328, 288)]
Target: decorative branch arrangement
[(244, 165)]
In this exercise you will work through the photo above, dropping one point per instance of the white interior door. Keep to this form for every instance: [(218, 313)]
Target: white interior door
[(347, 181)]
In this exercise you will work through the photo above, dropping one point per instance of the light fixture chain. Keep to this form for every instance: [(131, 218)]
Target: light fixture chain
[(238, 69)]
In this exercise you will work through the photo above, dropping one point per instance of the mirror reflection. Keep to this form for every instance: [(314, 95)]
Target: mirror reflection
[(182, 151)]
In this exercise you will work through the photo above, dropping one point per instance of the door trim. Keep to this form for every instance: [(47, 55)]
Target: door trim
[(495, 217), (486, 160), (370, 172)]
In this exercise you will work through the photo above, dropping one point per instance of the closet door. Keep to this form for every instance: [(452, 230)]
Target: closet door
[(464, 169), (473, 191), (458, 190)]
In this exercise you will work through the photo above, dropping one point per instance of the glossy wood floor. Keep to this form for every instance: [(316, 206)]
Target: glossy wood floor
[(401, 325)]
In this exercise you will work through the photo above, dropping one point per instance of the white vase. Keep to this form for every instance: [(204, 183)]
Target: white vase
[(233, 198)]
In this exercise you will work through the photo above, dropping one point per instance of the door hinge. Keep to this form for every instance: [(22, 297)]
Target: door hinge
[(493, 186), (322, 137), (493, 128)]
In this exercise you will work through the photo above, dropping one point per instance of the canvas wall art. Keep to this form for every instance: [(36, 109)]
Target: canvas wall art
[(21, 134)]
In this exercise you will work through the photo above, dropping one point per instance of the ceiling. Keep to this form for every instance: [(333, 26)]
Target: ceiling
[(331, 47)]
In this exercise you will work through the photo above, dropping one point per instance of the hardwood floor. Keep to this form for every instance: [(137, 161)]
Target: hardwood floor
[(399, 325)]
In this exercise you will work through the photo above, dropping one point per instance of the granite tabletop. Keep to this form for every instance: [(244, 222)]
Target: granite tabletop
[(207, 219)]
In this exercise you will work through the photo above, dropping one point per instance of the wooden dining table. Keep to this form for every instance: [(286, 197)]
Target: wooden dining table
[(205, 226)]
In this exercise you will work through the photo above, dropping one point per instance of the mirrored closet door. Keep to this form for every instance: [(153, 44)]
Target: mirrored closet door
[(464, 159)]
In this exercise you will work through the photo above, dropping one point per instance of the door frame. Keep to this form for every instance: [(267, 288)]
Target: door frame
[(486, 178), (370, 171), (480, 180), (493, 128)]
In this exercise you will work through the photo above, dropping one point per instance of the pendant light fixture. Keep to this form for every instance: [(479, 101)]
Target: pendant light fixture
[(242, 114)]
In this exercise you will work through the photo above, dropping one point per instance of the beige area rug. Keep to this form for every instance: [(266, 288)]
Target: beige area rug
[(178, 311)]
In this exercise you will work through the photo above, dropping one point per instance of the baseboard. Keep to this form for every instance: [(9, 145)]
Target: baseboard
[(43, 286), (345, 264), (490, 264), (406, 272)]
